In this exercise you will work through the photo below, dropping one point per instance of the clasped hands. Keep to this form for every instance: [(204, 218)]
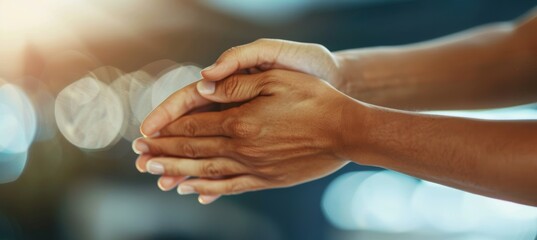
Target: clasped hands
[(272, 122)]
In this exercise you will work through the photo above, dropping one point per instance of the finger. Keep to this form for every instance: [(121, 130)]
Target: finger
[(167, 183), (184, 146), (207, 199), (197, 125), (235, 185), (175, 106), (141, 161), (210, 168), (261, 52), (238, 88)]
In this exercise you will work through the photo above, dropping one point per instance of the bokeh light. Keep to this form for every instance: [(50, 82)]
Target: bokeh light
[(94, 112), (89, 114), (172, 81), (338, 197), (133, 90), (140, 95), (390, 202), (11, 166), (442, 208), (43, 101), (18, 127), (381, 203)]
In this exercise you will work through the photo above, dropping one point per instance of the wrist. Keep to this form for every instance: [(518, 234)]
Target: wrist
[(352, 68), (341, 62), (357, 123)]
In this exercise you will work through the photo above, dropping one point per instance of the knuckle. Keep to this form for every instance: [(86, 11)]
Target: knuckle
[(243, 129), (231, 86), (233, 49), (230, 52), (211, 169), (318, 47), (229, 124), (172, 170), (236, 187), (188, 150), (189, 127), (190, 102)]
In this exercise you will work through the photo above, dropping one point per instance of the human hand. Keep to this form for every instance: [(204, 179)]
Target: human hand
[(288, 133), (167, 183), (266, 54)]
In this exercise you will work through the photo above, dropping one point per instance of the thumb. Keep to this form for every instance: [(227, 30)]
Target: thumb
[(236, 88), (260, 53)]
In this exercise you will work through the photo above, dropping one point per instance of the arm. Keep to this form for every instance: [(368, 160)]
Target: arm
[(485, 67), (492, 158)]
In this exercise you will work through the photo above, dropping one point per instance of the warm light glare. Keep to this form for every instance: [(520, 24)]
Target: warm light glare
[(25, 16)]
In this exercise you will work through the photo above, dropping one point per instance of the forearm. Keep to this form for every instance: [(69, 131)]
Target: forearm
[(489, 66), (492, 158)]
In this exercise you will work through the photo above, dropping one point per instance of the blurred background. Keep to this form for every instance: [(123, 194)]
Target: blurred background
[(78, 76)]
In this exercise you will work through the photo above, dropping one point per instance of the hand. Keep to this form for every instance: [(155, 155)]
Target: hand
[(167, 183), (266, 54), (288, 133)]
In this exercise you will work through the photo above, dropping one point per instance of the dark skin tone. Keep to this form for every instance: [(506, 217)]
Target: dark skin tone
[(295, 127)]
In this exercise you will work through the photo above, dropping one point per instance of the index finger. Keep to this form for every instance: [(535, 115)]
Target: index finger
[(175, 106)]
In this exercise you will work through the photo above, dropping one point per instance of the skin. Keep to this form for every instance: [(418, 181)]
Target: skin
[(292, 127)]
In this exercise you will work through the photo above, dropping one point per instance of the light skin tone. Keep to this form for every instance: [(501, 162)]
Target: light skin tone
[(292, 127)]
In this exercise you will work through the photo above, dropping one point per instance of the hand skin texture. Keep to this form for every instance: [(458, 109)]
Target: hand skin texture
[(260, 144), (297, 128), (264, 143)]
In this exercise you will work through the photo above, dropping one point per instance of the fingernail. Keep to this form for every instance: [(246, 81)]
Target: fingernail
[(139, 147), (155, 167), (207, 199), (154, 135), (149, 129), (146, 129), (206, 87), (166, 183), (185, 189), (140, 169), (209, 68)]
